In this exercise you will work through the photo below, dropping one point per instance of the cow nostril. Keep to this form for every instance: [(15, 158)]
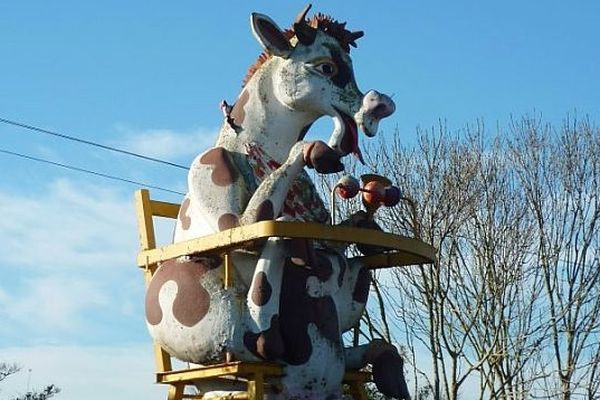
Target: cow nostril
[(377, 105), (381, 111)]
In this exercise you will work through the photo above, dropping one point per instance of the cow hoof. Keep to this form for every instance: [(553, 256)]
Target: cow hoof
[(388, 375), (321, 157)]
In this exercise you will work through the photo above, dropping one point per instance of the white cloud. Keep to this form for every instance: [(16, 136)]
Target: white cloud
[(51, 306), (67, 226), (68, 266), (167, 143), (91, 373), (71, 296)]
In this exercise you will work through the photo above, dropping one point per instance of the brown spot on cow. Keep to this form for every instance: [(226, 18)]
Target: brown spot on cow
[(267, 344), (224, 172), (261, 292), (191, 302), (184, 219), (361, 288), (228, 221), (237, 113)]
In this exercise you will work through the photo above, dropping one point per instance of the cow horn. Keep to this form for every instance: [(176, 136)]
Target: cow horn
[(305, 34), (354, 36), (302, 16)]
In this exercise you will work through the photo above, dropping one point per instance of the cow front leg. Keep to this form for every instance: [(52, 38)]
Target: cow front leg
[(268, 199), (263, 339)]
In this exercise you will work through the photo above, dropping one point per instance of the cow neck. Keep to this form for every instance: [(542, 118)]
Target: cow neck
[(263, 120)]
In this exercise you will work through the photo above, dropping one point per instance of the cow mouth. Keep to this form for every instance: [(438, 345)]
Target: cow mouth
[(348, 143)]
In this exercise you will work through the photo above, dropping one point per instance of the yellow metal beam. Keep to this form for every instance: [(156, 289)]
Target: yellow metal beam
[(228, 271), (256, 386), (397, 259), (164, 209), (162, 359), (407, 250), (238, 368), (144, 217), (175, 392)]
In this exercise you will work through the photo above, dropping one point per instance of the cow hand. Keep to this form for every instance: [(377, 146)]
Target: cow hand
[(321, 157)]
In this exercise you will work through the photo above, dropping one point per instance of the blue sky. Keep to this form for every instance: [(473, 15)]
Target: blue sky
[(148, 76)]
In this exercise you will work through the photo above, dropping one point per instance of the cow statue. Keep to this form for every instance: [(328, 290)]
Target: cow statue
[(291, 299)]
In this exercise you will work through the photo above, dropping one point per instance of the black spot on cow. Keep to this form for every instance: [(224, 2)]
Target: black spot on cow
[(345, 74), (298, 310), (361, 288)]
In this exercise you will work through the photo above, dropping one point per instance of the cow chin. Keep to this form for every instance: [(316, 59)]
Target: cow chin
[(366, 123)]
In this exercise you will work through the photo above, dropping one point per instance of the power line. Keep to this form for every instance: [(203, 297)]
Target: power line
[(90, 143), (87, 171)]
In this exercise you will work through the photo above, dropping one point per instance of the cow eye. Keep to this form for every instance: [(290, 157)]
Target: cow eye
[(327, 68)]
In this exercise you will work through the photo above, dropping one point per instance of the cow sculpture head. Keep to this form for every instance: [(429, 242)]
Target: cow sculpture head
[(308, 70)]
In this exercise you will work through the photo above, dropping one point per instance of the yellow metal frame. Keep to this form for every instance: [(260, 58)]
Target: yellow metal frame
[(402, 251)]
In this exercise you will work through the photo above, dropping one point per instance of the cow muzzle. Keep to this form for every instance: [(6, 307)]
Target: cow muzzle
[(375, 106)]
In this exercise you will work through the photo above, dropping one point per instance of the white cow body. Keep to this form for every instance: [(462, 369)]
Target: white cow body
[(290, 301)]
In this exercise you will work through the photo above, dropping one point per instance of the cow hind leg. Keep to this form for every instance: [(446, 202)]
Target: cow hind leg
[(183, 308), (387, 364)]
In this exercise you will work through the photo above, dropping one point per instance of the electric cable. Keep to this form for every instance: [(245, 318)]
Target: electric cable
[(87, 171), (89, 143)]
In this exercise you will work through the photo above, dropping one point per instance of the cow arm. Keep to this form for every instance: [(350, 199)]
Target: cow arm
[(218, 191)]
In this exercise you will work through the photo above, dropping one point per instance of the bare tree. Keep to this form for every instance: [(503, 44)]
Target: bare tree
[(560, 176), (48, 392), (481, 230), (511, 309), (440, 176), (7, 370)]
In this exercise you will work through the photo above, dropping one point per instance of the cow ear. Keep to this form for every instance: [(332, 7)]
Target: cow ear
[(270, 36)]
